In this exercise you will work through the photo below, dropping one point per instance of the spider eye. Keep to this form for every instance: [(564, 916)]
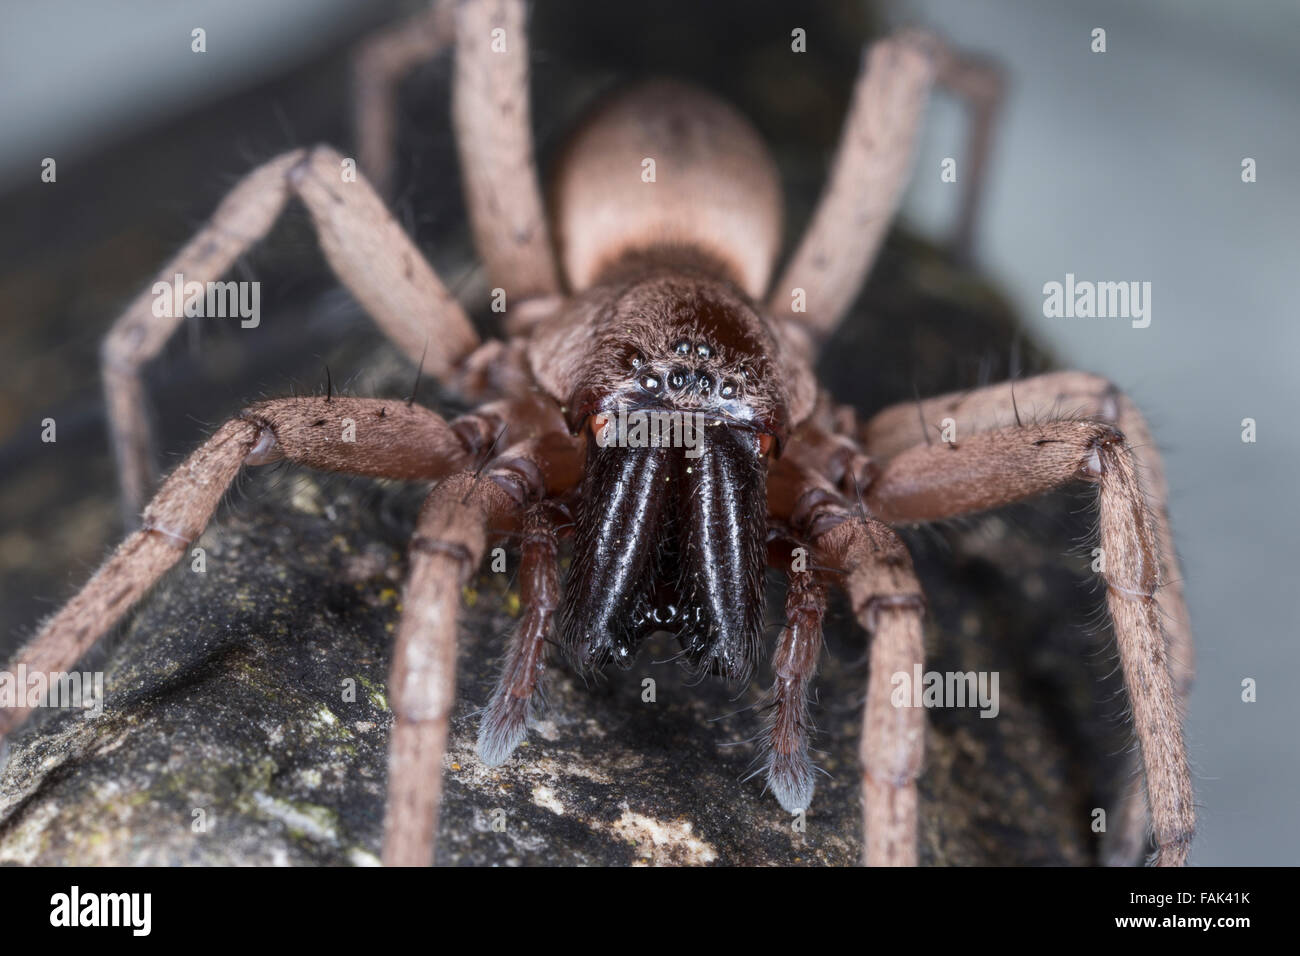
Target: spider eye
[(637, 359), (703, 350), (705, 382), (650, 382), (729, 389), (682, 348), (678, 377)]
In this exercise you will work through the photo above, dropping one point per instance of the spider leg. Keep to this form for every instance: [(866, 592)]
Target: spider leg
[(449, 540), (837, 457), (979, 83), (993, 468), (871, 169), (1045, 397), (381, 61), (448, 544), (790, 772), (490, 109), (866, 182), (366, 248), (888, 603), (505, 722), (392, 439)]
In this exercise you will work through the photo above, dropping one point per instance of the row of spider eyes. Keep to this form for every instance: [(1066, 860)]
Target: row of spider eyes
[(679, 377)]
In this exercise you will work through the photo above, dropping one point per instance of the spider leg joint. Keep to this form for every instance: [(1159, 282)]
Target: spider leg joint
[(1094, 464), (179, 539), (267, 448), (870, 614)]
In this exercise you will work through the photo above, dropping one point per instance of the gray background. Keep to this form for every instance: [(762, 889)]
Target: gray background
[(1127, 166), (1115, 166)]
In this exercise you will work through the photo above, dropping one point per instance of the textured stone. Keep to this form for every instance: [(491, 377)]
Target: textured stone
[(227, 693)]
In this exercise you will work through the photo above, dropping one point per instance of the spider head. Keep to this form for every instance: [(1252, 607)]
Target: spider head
[(684, 344), (682, 404)]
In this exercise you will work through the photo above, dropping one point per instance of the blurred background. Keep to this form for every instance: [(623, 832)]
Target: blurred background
[(1115, 166)]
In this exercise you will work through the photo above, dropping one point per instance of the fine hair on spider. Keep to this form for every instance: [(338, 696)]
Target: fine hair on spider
[(656, 292)]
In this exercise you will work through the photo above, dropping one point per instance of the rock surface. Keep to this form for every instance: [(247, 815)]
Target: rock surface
[(246, 719)]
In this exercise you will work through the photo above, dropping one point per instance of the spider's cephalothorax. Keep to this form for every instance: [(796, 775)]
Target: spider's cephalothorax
[(681, 407), (653, 293)]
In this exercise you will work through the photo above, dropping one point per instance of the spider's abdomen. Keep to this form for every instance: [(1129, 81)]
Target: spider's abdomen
[(666, 165)]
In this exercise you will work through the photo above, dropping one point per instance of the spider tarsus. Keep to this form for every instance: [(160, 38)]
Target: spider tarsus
[(504, 726), (791, 779)]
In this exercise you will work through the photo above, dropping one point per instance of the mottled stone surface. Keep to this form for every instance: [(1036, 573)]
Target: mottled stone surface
[(227, 695)]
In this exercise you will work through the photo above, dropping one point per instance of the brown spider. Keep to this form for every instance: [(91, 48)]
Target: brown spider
[(653, 294)]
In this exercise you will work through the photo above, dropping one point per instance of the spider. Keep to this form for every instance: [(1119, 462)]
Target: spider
[(652, 292)]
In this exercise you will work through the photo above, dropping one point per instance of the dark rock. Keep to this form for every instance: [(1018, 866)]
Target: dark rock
[(227, 691)]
